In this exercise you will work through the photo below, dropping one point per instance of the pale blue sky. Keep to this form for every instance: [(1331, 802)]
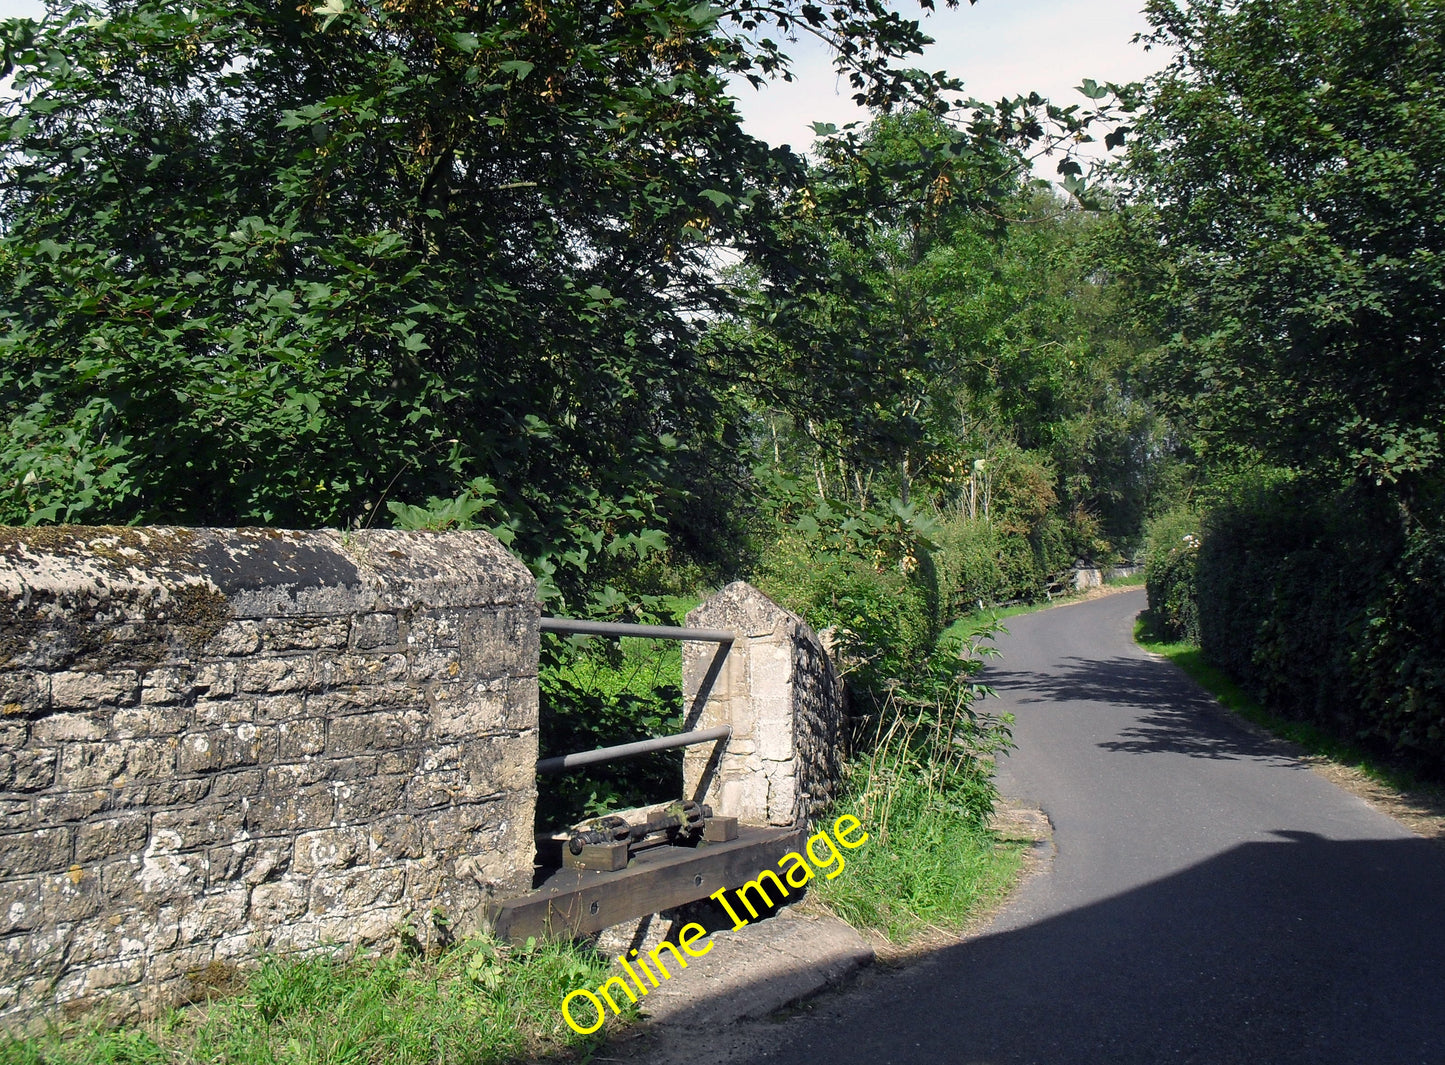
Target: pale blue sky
[(998, 47)]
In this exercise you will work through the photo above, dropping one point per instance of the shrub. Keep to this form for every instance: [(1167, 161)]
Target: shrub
[(885, 620), (1171, 574), (967, 558)]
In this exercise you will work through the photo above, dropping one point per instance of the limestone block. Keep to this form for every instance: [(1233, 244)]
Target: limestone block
[(20, 908), (369, 797), (242, 784), (135, 794), (377, 730), (345, 670), (219, 678), (28, 769), (298, 738), (356, 891), (112, 837), (272, 708), (139, 722), (330, 849), (167, 685), (235, 638), (339, 702), (86, 690), (275, 675), (303, 633), (89, 765), (277, 902), (227, 711), (371, 631), (59, 806), (245, 744), (201, 826), (23, 692), (395, 838), (70, 726)]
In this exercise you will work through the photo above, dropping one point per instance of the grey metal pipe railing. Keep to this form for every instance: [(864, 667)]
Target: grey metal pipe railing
[(564, 762), (579, 627)]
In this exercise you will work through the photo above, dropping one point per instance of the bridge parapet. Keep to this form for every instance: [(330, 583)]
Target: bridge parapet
[(220, 743)]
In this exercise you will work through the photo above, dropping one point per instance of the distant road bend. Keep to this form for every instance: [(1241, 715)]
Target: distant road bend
[(1211, 900)]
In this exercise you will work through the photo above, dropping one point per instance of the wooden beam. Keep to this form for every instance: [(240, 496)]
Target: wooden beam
[(573, 902)]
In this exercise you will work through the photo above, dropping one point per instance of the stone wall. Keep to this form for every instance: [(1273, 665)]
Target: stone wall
[(215, 744), (779, 691)]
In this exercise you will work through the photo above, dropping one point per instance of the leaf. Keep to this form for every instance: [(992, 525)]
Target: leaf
[(520, 67)]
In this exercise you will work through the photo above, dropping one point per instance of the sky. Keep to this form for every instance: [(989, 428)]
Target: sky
[(997, 47)]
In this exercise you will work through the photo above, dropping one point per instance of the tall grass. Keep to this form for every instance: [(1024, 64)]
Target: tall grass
[(922, 785), (479, 1003)]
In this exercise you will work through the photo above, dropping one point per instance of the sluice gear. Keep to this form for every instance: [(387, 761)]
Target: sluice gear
[(681, 820)]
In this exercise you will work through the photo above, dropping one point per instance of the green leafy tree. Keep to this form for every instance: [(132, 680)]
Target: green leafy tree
[(1287, 234), (284, 263)]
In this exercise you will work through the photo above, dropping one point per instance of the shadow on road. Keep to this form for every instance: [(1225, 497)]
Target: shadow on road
[(1298, 950), (1180, 717)]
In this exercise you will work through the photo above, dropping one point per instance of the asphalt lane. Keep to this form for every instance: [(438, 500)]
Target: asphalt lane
[(1211, 899)]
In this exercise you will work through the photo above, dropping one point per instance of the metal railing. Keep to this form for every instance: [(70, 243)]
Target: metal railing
[(577, 627)]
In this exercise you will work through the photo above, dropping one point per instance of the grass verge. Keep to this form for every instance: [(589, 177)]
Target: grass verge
[(926, 868), (979, 621), (478, 1003), (923, 789)]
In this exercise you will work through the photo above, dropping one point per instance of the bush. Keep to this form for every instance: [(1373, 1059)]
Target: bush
[(885, 620), (1171, 574), (967, 558), (1332, 612)]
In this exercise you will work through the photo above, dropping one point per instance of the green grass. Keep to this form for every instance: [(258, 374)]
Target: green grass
[(927, 867), (1313, 739), (922, 789), (981, 620), (478, 1003)]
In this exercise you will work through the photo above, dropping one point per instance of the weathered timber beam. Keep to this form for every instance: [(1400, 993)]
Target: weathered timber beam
[(575, 902)]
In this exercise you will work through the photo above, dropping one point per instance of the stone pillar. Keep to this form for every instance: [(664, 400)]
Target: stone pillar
[(779, 691)]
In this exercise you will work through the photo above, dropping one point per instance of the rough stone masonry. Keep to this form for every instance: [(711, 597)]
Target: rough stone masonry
[(220, 743), (779, 691)]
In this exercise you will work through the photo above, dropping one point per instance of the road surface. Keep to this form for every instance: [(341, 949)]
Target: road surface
[(1211, 900)]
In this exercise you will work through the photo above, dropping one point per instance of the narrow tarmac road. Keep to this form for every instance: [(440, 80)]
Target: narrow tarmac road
[(1211, 900)]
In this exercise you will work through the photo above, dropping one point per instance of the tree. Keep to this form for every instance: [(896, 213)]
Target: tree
[(1287, 235), (281, 263), (973, 320)]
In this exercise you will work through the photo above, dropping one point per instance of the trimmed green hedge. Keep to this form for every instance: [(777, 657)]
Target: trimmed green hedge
[(1333, 612)]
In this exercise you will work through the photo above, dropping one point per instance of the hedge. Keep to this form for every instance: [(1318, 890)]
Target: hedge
[(1332, 609)]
